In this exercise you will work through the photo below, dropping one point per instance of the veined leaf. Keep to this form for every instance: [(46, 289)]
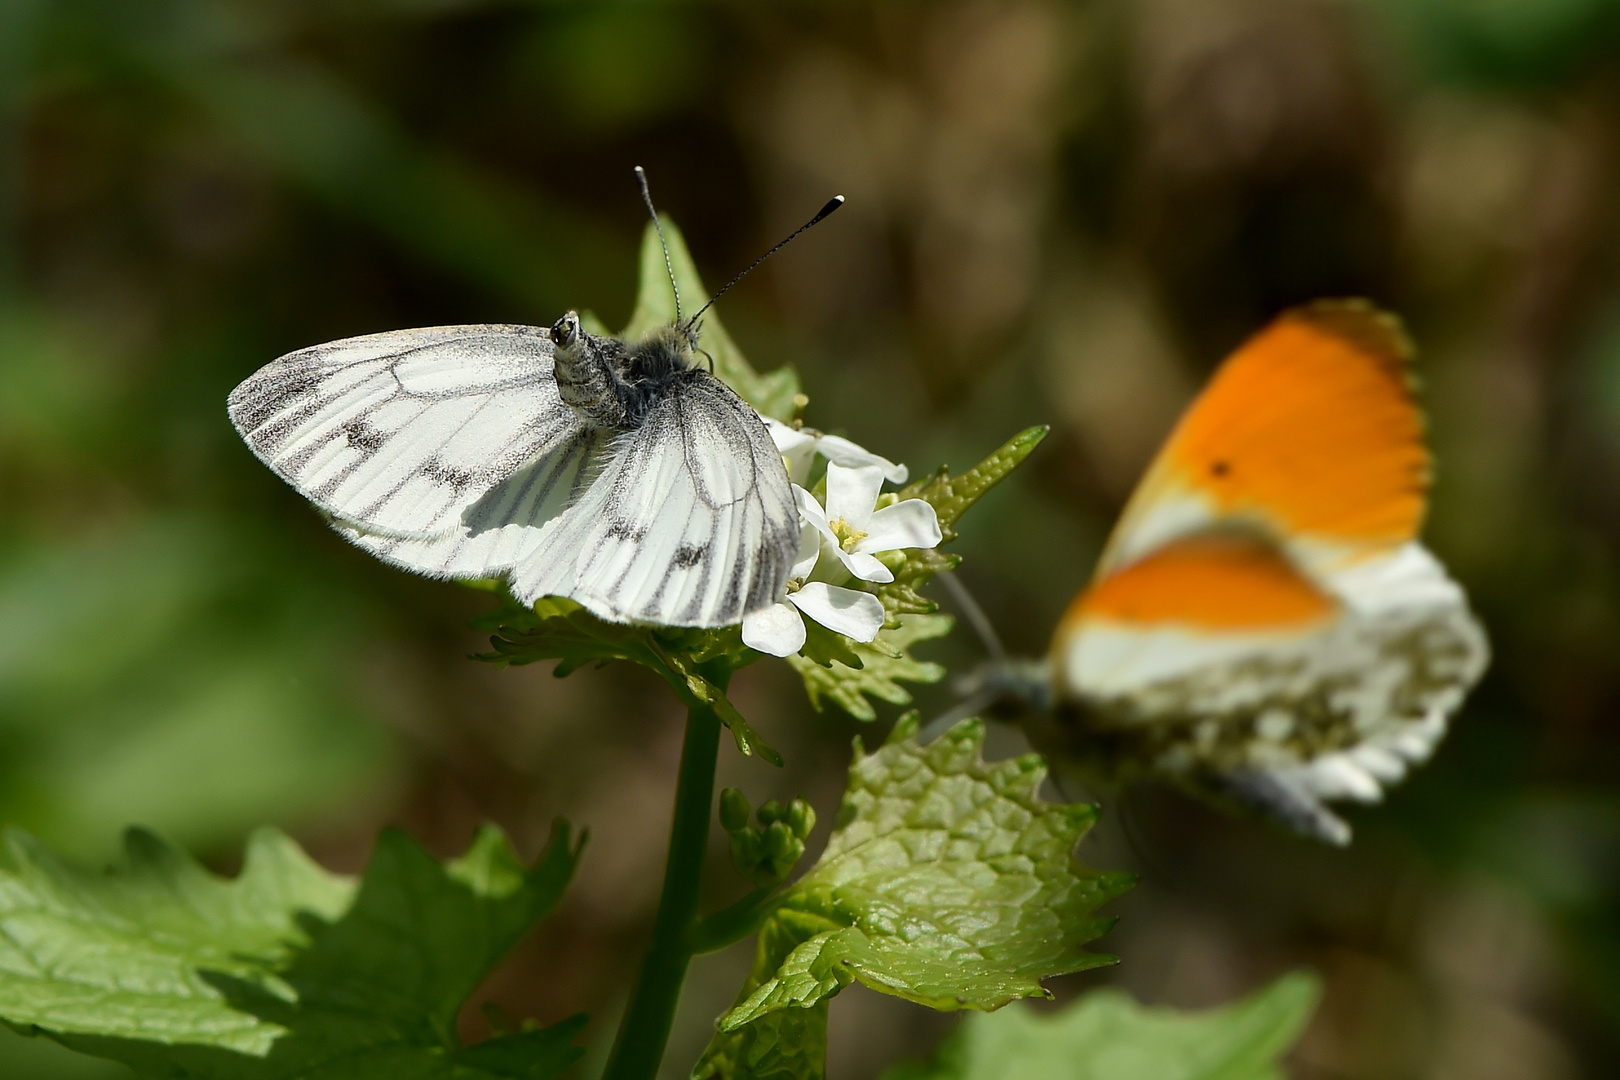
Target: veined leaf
[(1107, 1036), (947, 882), (286, 972), (952, 495)]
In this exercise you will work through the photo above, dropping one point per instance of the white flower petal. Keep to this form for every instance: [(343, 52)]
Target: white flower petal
[(778, 630), (786, 436), (855, 614), (865, 566), (841, 451), (852, 493), (830, 565), (797, 445), (811, 513), (909, 524), (809, 552)]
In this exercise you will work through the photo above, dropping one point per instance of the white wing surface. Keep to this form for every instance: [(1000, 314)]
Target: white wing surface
[(1302, 692), (400, 434), (505, 525), (690, 522)]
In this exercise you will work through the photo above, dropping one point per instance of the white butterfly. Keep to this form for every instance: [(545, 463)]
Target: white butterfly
[(620, 476)]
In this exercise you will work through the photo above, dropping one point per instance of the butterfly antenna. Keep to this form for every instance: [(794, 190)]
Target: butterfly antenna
[(646, 197), (832, 204), (973, 613)]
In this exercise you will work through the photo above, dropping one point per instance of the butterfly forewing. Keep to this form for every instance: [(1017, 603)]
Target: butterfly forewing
[(398, 433), (506, 523), (1308, 431)]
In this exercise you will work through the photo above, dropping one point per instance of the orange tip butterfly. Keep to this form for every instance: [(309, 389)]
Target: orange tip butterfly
[(1264, 625)]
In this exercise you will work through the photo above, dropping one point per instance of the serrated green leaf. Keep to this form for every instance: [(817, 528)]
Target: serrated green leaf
[(952, 495), (786, 1045), (700, 688), (1105, 1035), (286, 971), (560, 629), (790, 1044), (772, 393), (947, 882), (886, 663)]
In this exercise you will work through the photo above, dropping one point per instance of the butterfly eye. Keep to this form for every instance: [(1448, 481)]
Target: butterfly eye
[(565, 331)]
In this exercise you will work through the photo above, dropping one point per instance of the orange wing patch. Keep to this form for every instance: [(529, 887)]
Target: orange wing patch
[(1309, 425), (1212, 583)]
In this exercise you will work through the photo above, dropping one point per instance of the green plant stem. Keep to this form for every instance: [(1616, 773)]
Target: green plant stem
[(639, 1046), (731, 924)]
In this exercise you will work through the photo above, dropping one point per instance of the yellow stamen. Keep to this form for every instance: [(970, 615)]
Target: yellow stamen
[(847, 536)]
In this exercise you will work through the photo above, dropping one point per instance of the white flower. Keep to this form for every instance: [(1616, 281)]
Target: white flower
[(779, 629), (799, 446), (852, 531)]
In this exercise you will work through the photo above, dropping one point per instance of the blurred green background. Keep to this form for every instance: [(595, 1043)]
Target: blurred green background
[(1058, 212)]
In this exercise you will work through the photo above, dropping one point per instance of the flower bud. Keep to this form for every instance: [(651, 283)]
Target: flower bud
[(801, 818), (733, 810)]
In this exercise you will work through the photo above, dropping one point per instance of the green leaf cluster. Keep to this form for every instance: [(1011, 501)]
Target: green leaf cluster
[(862, 671), (1107, 1036), (947, 881), (286, 971), (874, 669)]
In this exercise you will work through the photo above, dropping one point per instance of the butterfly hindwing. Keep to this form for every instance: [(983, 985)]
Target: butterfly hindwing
[(505, 525), (691, 521), (1216, 662)]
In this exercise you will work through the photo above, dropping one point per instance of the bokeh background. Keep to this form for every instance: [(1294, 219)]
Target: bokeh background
[(1059, 212)]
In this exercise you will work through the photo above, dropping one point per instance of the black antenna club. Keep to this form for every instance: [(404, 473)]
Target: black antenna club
[(646, 197), (832, 204)]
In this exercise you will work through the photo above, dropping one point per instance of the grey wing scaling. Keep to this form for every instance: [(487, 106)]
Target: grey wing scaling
[(691, 521), (397, 434)]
